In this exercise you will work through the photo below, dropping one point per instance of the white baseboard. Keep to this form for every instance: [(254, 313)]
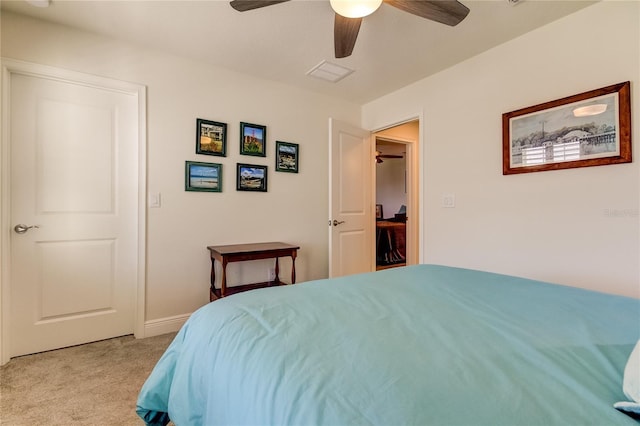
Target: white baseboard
[(164, 325)]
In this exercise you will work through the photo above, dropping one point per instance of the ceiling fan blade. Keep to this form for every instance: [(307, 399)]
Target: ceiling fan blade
[(448, 12), (244, 5), (345, 33), (390, 156)]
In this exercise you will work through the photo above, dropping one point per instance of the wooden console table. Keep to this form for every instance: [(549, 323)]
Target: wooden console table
[(242, 252)]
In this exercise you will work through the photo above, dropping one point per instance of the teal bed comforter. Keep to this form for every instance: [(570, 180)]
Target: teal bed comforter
[(420, 345)]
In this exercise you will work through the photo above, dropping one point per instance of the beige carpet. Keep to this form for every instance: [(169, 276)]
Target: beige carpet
[(93, 384)]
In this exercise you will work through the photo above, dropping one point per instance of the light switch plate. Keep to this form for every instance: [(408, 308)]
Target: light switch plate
[(155, 200), (448, 200)]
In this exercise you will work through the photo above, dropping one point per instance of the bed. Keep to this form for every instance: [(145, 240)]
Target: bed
[(417, 345)]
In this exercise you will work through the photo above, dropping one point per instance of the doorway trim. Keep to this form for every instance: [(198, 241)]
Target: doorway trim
[(412, 226), (15, 67), (415, 207)]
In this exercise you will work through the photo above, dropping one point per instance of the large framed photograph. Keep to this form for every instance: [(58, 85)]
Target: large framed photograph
[(588, 129), (251, 177), (203, 177), (287, 157), (211, 138), (253, 139)]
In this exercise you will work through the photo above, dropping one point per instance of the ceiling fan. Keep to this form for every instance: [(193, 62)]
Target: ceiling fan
[(349, 14), (380, 156)]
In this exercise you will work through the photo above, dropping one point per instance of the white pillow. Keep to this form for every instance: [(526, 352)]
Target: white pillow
[(631, 382)]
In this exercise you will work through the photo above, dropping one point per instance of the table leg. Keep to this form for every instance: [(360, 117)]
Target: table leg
[(223, 281), (293, 267), (212, 289), (277, 279)]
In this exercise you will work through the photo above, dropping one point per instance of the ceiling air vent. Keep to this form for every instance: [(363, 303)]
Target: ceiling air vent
[(329, 72)]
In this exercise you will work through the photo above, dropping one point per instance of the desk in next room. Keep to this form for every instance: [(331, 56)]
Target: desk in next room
[(242, 252), (390, 243)]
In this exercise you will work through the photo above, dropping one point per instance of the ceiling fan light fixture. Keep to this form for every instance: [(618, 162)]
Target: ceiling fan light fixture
[(355, 8)]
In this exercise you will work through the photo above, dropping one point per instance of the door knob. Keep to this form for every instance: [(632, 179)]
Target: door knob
[(336, 223), (21, 229)]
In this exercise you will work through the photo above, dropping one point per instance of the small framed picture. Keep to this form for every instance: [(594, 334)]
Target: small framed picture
[(253, 139), (203, 177), (379, 214), (211, 138), (287, 157), (251, 177)]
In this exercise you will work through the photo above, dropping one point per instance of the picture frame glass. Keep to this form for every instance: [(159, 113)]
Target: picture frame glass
[(253, 139), (251, 177), (576, 131), (287, 157), (203, 177), (211, 138)]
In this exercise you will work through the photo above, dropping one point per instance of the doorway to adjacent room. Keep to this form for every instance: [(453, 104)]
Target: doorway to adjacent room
[(352, 202), (396, 182)]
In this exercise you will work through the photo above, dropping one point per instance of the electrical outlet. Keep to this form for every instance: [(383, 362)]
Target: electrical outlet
[(272, 274)]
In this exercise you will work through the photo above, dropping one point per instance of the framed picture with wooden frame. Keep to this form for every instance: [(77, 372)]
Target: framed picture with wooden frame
[(251, 177), (203, 177), (588, 129), (287, 157), (253, 139), (211, 137)]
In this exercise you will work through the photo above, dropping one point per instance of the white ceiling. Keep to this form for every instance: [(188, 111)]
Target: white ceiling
[(284, 41)]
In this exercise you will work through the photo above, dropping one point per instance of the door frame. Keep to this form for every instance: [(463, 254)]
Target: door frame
[(412, 225), (9, 68), (415, 200)]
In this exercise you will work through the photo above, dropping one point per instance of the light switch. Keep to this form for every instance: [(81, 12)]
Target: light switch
[(154, 199), (448, 200)]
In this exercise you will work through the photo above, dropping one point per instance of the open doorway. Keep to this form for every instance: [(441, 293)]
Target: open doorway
[(391, 204), (396, 183)]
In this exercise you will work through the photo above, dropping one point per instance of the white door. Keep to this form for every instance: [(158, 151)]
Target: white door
[(350, 201), (74, 181)]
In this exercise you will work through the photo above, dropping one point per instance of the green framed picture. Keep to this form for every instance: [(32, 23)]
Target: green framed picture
[(203, 177), (287, 157), (253, 139), (211, 137)]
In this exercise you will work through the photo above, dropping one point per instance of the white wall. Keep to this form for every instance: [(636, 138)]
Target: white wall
[(578, 227), (293, 210)]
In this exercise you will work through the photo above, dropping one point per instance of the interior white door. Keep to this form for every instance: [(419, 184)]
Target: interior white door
[(74, 185), (351, 248)]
